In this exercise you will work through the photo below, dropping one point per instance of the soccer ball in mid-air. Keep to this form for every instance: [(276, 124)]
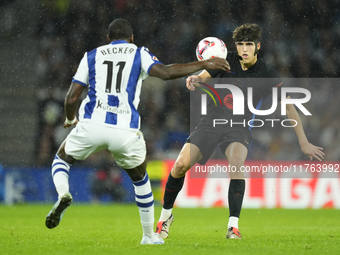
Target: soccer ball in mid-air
[(211, 47)]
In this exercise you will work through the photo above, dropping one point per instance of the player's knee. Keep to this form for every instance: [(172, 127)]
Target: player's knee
[(62, 154), (180, 167), (236, 161)]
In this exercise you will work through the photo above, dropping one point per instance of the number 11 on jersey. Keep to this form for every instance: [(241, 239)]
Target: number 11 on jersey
[(109, 75)]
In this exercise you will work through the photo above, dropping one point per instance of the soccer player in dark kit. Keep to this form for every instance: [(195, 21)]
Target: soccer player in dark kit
[(234, 141)]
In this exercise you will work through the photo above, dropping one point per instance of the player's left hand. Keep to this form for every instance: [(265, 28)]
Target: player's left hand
[(312, 151)]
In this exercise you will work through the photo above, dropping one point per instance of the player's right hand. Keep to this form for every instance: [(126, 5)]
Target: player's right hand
[(216, 63), (190, 81), (67, 124)]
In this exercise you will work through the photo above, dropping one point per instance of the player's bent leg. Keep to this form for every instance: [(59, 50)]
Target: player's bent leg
[(145, 202), (189, 155), (236, 154), (60, 174)]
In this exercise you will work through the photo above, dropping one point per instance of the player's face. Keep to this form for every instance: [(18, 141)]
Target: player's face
[(247, 51)]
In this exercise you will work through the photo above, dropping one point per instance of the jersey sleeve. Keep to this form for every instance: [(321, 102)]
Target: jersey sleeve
[(82, 74), (213, 72), (148, 59)]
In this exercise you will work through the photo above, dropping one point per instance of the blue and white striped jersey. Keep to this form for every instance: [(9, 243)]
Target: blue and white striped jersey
[(114, 73)]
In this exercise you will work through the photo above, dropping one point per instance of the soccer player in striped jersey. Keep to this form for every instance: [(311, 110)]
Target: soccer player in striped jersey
[(108, 117)]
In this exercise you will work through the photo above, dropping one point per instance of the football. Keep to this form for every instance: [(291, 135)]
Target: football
[(211, 47)]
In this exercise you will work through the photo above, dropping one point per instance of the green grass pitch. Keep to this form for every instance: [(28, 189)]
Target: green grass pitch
[(116, 229)]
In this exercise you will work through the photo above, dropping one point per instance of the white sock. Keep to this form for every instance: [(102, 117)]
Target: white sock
[(165, 214), (60, 173), (233, 222), (145, 203)]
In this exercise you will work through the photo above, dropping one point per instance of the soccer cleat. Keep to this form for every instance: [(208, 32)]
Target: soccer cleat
[(54, 216), (233, 233), (163, 227), (152, 240)]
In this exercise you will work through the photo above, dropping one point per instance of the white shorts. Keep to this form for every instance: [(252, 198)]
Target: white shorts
[(127, 146)]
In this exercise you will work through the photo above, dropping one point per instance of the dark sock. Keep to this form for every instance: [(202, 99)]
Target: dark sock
[(172, 188), (235, 196)]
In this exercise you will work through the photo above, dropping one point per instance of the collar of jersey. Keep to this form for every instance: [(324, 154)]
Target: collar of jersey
[(252, 68), (118, 42), (255, 66)]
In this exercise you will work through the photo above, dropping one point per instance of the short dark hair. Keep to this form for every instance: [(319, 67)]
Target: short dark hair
[(247, 32), (120, 29)]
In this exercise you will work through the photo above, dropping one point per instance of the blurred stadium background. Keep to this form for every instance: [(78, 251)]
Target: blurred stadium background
[(42, 42)]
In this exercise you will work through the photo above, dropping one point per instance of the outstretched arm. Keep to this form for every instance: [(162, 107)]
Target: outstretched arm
[(307, 148), (173, 71), (71, 104)]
